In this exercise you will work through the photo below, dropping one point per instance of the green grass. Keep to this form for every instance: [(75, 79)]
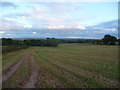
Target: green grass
[(21, 75), (10, 59), (68, 66), (88, 65)]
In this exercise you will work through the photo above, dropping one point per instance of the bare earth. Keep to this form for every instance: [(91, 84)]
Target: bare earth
[(11, 71), (31, 83)]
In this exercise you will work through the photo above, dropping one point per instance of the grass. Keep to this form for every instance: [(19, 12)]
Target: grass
[(21, 75), (68, 66), (11, 58), (78, 65)]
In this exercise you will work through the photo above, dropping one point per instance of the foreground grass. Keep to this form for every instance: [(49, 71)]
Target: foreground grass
[(10, 59), (76, 65), (66, 66), (22, 74)]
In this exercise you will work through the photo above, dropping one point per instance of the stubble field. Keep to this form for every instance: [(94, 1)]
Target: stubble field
[(66, 66)]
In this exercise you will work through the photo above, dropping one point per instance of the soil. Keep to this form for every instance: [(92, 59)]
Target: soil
[(31, 83), (11, 71)]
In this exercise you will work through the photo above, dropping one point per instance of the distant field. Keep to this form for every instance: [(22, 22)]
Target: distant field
[(69, 65)]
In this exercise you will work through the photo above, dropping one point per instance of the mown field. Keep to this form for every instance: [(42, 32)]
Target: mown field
[(65, 66)]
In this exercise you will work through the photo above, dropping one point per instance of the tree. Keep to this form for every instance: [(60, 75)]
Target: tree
[(52, 42), (118, 41), (7, 41), (100, 42), (28, 42), (109, 40)]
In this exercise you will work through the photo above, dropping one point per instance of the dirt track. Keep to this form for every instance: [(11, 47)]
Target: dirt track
[(32, 79), (31, 83), (11, 71)]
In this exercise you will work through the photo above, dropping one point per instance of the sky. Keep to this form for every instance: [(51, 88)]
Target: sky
[(90, 20)]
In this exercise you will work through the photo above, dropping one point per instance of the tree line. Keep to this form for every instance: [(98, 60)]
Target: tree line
[(108, 40), (53, 42), (50, 42)]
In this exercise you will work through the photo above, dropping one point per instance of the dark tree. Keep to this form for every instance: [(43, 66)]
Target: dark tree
[(7, 41), (109, 40), (28, 42), (52, 42)]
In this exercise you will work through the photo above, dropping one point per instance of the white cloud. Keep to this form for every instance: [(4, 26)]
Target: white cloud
[(10, 26), (9, 19), (34, 32), (10, 34), (56, 27), (103, 28), (1, 32), (52, 14), (80, 27), (110, 29), (65, 27), (16, 23), (73, 37), (28, 26)]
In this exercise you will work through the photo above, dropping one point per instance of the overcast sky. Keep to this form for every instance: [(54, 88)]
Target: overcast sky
[(58, 19)]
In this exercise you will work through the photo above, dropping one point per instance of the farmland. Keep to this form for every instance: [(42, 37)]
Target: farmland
[(66, 66)]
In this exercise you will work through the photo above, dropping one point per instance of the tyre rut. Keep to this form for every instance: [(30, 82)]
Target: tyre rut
[(31, 83)]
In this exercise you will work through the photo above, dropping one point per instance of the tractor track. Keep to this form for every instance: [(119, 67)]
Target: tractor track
[(31, 83), (11, 71)]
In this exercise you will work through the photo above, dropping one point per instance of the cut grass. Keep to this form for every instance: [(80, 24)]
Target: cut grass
[(21, 75), (68, 66), (73, 79), (10, 59), (94, 65)]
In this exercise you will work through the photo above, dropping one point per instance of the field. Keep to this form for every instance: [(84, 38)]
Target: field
[(65, 66)]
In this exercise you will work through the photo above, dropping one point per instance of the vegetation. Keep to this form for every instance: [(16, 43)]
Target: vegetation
[(74, 64), (9, 45), (10, 59), (109, 40), (68, 66), (23, 71), (12, 48), (51, 42), (78, 65)]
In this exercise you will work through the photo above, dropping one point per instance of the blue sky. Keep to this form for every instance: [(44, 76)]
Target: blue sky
[(58, 19)]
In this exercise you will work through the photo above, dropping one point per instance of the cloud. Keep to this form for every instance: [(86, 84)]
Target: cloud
[(10, 25), (10, 34), (1, 32), (64, 31), (17, 23), (28, 26), (110, 29), (62, 0), (8, 4), (54, 13), (34, 32), (110, 26), (80, 27), (59, 27), (53, 20)]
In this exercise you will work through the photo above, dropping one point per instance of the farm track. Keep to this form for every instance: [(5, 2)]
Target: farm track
[(11, 71), (31, 83)]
